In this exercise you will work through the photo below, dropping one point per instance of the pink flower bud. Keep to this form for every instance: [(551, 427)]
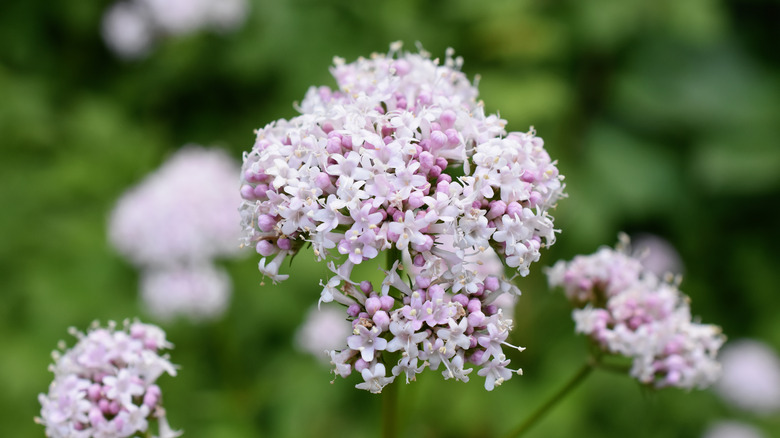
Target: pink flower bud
[(265, 223), (381, 319), (372, 305), (387, 302), (265, 248)]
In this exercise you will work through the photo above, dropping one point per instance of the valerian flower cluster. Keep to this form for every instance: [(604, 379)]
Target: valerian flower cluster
[(402, 158), (627, 310), (172, 226), (105, 385)]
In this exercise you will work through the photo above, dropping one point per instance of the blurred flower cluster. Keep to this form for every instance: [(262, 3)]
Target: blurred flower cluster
[(130, 27), (174, 224), (105, 385), (627, 310), (402, 158)]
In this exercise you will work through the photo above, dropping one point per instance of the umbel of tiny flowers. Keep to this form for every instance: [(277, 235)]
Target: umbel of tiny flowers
[(105, 386), (627, 310), (173, 224), (402, 159)]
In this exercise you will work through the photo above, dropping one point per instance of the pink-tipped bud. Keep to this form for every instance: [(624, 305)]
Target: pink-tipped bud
[(322, 180), (415, 199), (247, 192), (152, 396), (462, 299), (534, 199), (435, 172), (492, 284), (387, 302), (474, 305), (284, 244), (438, 139), (261, 190), (366, 287), (360, 365), (353, 310), (497, 209), (425, 246), (476, 319), (402, 67), (476, 358), (422, 282), (372, 305), (334, 145), (265, 248), (443, 187), (93, 392), (452, 137), (427, 160), (419, 260), (381, 319), (266, 223), (447, 119), (514, 210)]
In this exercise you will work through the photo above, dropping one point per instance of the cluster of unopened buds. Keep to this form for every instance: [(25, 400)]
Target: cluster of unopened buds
[(105, 385), (402, 159), (629, 311)]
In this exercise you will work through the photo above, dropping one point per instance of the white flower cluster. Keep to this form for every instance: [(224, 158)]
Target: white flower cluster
[(173, 224), (402, 158), (104, 387), (131, 26), (629, 311)]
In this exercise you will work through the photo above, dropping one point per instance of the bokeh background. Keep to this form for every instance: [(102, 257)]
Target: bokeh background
[(664, 116)]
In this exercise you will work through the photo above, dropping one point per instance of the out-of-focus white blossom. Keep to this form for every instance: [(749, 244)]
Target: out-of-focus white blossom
[(627, 310), (198, 292), (173, 224), (656, 254), (185, 211), (751, 376), (732, 429), (323, 329), (105, 386), (130, 27), (126, 30)]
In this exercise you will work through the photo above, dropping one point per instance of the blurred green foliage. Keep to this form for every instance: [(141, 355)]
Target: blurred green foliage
[(664, 116)]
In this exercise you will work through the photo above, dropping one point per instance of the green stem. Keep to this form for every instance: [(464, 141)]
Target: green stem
[(389, 411), (542, 410), (390, 392)]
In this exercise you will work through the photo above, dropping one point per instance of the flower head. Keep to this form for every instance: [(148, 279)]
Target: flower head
[(402, 157), (627, 310), (106, 384)]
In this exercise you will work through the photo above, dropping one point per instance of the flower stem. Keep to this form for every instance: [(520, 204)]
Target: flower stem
[(390, 392), (542, 410), (389, 411)]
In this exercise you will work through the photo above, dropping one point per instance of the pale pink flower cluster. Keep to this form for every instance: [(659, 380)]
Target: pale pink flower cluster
[(130, 27), (751, 376), (627, 310), (105, 386), (174, 224), (402, 157)]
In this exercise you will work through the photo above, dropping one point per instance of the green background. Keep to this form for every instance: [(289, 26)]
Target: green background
[(664, 116)]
